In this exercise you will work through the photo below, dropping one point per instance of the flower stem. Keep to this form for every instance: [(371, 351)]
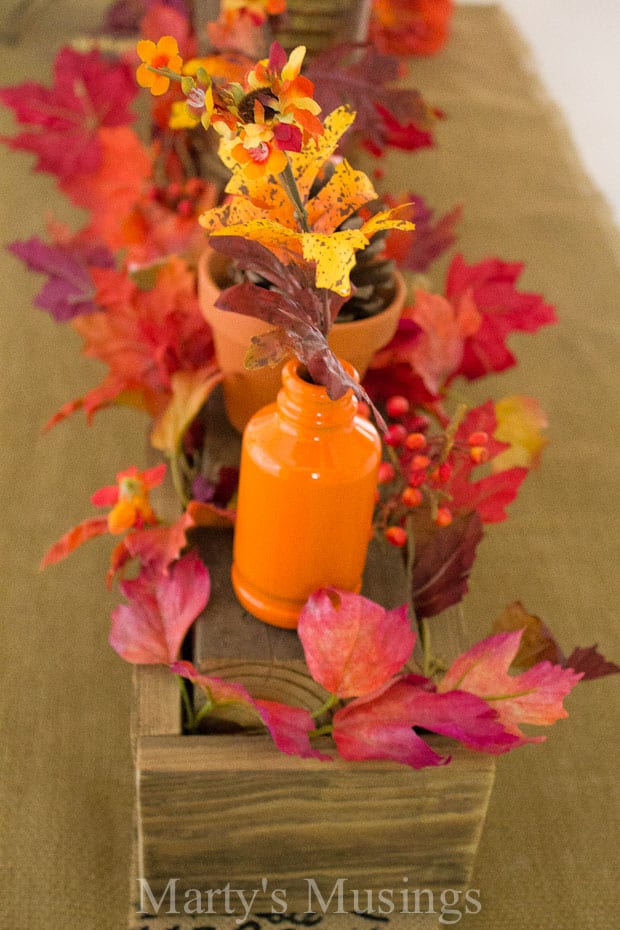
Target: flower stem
[(176, 473), (206, 708), (190, 717), (331, 701), (321, 731), (425, 640)]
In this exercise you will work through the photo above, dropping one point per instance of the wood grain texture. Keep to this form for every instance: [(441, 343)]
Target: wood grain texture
[(156, 709), (220, 809)]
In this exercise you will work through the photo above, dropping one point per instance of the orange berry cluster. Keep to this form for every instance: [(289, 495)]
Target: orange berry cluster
[(418, 469)]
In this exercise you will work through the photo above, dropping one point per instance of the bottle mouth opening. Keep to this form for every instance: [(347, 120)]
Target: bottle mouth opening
[(304, 375), (295, 370)]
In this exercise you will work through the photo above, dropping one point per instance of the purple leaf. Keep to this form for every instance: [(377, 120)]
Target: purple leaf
[(443, 560), (360, 77), (70, 290), (590, 663)]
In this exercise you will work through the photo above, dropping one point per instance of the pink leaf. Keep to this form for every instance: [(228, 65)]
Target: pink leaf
[(217, 690), (159, 546), (150, 629), (464, 717), (352, 645), (289, 728), (88, 529), (535, 696), (380, 726), (438, 350)]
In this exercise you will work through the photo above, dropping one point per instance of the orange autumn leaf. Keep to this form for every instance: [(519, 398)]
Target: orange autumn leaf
[(211, 515), (107, 192), (415, 27), (87, 529), (190, 391), (437, 350)]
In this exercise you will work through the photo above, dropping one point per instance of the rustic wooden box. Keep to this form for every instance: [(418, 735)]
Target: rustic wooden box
[(230, 807)]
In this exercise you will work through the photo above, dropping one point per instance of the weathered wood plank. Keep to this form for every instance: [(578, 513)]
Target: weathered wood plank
[(156, 709), (220, 809)]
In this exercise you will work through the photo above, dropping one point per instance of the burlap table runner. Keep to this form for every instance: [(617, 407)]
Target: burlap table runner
[(548, 857)]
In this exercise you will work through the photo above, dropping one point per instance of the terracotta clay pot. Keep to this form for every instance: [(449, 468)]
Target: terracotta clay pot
[(306, 498), (246, 391)]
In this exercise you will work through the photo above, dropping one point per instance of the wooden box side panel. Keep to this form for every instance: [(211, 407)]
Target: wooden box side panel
[(224, 809)]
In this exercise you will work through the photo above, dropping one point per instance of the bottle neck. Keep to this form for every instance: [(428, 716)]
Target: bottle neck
[(304, 404)]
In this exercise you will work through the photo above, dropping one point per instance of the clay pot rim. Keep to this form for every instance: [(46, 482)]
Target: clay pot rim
[(238, 325)]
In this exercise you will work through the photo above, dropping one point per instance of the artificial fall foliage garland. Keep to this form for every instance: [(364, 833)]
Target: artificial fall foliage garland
[(126, 283)]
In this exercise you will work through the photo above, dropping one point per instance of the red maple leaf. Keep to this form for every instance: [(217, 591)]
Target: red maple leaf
[(492, 286), (490, 494), (88, 93)]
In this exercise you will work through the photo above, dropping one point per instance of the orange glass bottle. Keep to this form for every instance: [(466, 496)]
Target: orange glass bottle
[(306, 497)]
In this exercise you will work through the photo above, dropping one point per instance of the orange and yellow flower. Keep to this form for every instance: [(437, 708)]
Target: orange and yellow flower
[(262, 211), (164, 54), (130, 499), (258, 160)]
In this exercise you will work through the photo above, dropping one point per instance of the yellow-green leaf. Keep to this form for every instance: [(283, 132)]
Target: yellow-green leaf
[(520, 421), (190, 390), (334, 256), (266, 350), (307, 163)]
